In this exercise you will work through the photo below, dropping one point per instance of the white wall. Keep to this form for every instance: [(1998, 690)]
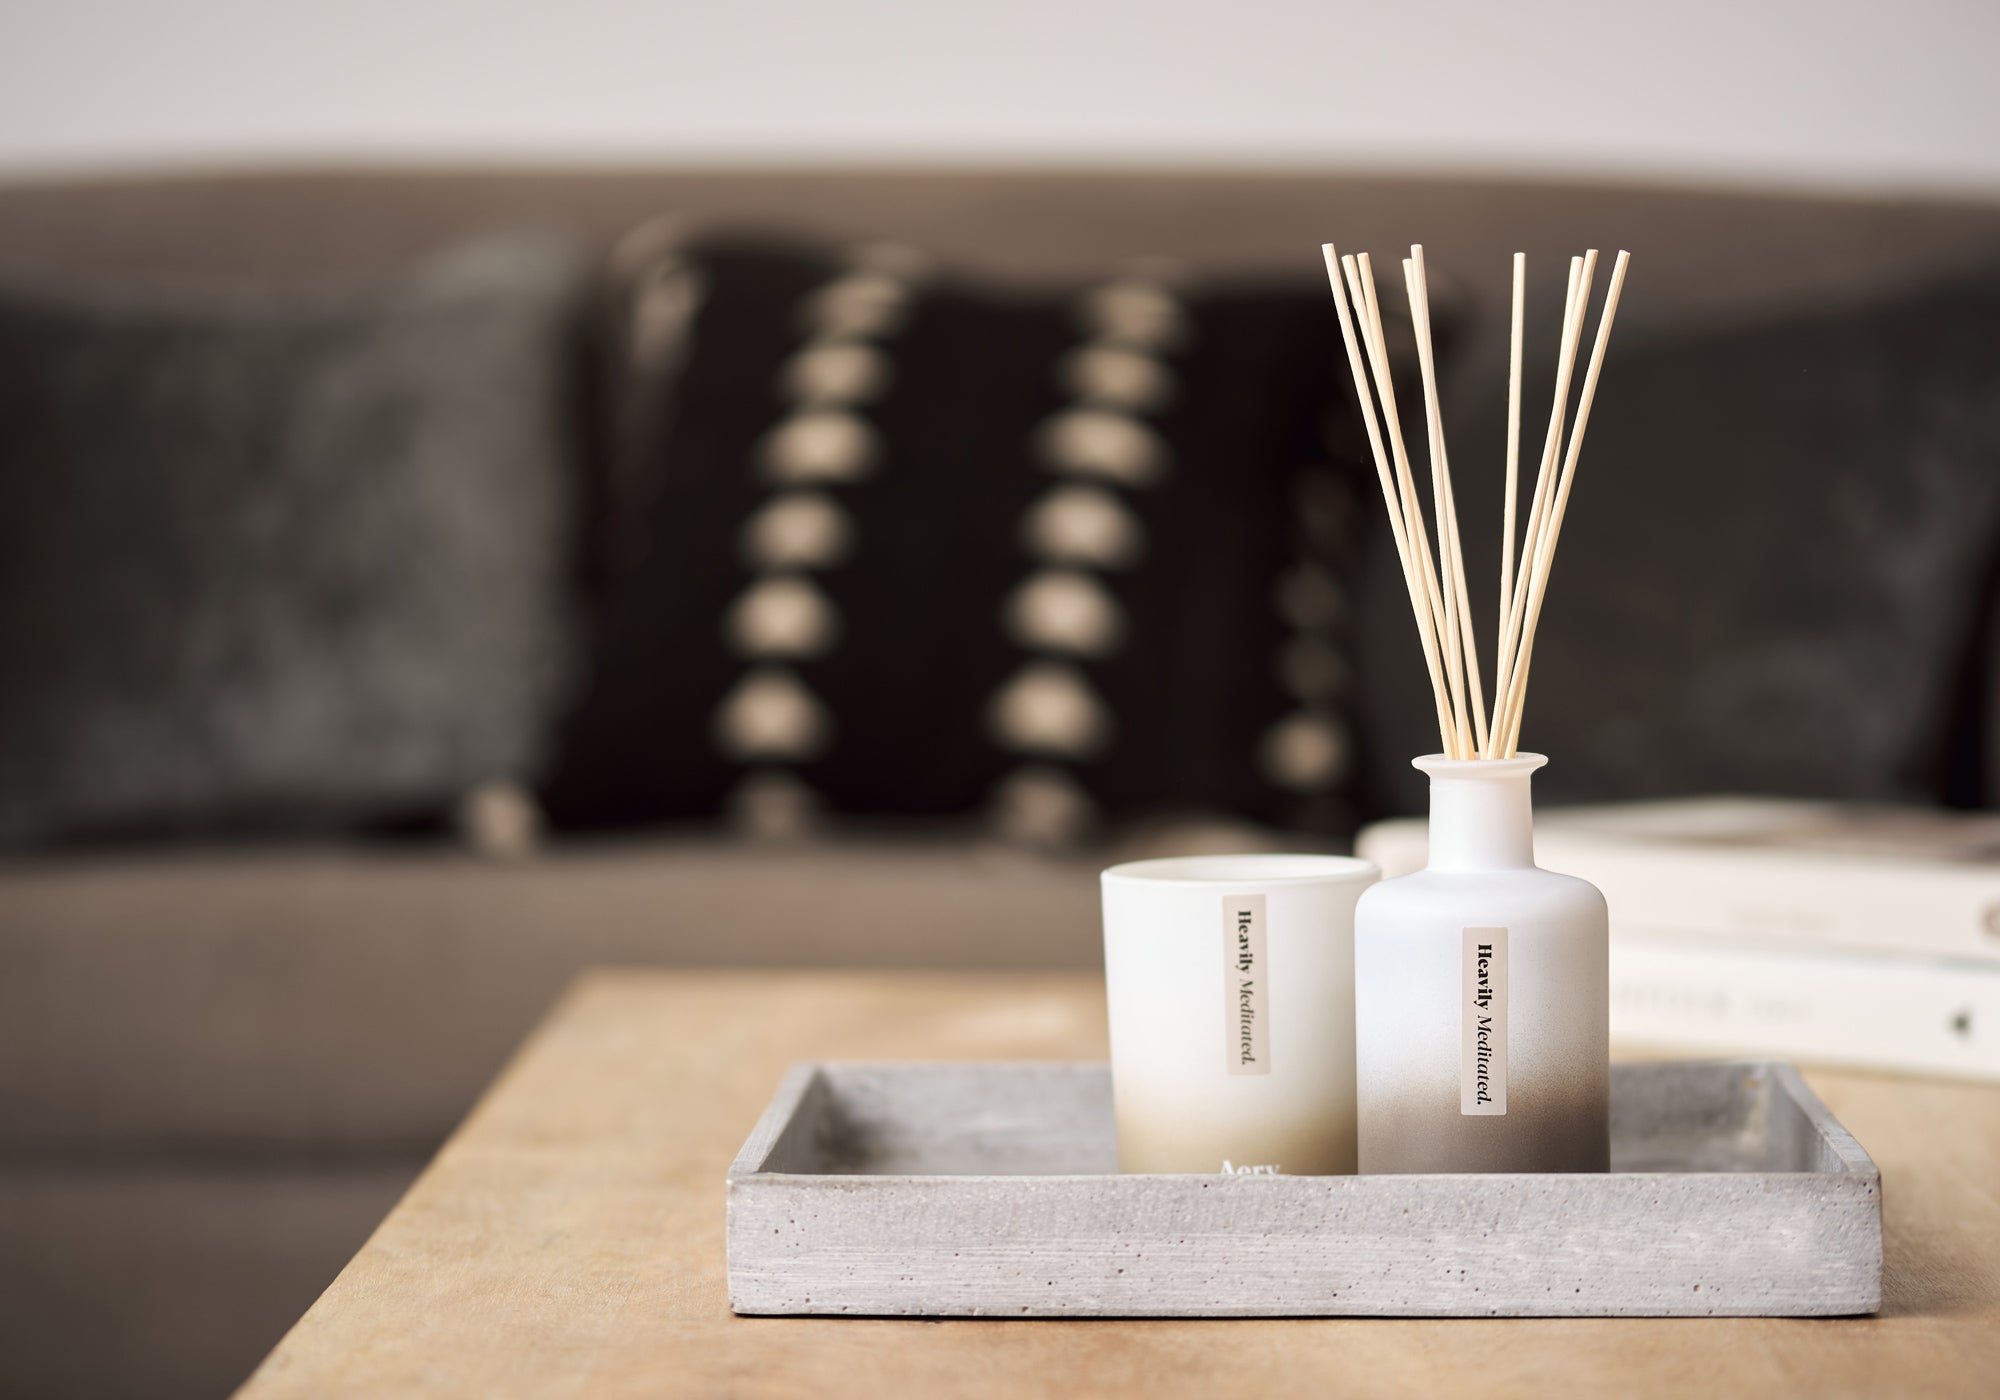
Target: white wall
[(1857, 93)]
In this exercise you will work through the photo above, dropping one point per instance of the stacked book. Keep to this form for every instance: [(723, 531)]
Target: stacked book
[(1814, 931)]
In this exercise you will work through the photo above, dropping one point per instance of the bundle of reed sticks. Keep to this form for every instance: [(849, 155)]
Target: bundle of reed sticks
[(1434, 571)]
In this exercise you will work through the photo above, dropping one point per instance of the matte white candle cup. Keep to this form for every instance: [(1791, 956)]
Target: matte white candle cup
[(1231, 988)]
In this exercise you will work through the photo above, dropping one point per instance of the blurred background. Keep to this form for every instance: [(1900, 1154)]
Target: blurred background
[(491, 488), (1820, 96)]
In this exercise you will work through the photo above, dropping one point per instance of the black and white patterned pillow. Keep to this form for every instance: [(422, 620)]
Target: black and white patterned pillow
[(894, 543)]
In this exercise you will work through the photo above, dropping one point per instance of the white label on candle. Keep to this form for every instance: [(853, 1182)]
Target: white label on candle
[(1482, 1080), (1246, 999)]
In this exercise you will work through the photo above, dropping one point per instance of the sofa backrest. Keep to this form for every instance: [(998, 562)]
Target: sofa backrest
[(1704, 252)]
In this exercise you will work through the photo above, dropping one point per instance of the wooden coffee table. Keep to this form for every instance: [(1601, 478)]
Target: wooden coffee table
[(568, 1240)]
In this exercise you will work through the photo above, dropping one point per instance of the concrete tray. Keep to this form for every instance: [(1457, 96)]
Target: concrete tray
[(991, 1190)]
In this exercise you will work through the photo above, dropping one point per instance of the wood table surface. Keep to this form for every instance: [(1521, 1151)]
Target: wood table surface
[(568, 1239)]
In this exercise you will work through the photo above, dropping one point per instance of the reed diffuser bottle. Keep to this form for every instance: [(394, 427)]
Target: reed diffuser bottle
[(1481, 1018), (1481, 983)]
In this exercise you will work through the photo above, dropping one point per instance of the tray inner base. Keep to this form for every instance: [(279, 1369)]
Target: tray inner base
[(1055, 1119)]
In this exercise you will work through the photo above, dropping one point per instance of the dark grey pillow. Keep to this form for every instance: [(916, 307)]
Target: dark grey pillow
[(1774, 570), (296, 564)]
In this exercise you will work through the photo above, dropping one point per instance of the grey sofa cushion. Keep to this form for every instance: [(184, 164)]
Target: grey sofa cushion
[(291, 563), (1774, 571), (356, 1002)]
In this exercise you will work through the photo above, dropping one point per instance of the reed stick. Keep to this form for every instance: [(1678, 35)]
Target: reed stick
[(1507, 527), (1546, 552), (1413, 514), (1454, 657), (1362, 289), (1575, 301), (1466, 649), (1419, 604)]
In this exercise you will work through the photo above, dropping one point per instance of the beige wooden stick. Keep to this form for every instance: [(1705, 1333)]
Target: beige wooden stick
[(1477, 742), (1581, 271), (1546, 551), (1416, 285), (1433, 565), (1419, 604), (1509, 642), (1507, 530), (1454, 650), (1362, 279)]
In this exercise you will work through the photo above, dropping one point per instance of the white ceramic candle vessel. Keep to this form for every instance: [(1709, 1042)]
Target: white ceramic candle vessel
[(1230, 982), (1481, 1001)]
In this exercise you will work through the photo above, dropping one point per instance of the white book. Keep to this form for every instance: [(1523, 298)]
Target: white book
[(1816, 874), (1875, 1011)]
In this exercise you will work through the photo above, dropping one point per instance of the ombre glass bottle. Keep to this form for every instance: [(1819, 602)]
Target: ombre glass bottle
[(1481, 994)]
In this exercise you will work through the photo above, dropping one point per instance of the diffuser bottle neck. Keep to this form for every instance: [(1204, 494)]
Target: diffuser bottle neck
[(1482, 815)]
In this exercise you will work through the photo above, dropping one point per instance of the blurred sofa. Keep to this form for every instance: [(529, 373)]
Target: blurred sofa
[(220, 1065)]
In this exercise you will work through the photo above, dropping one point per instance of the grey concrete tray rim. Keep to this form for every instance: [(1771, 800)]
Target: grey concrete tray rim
[(983, 1188)]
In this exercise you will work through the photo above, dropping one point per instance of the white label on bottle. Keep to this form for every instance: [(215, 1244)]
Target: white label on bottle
[(1246, 1000), (1482, 1080)]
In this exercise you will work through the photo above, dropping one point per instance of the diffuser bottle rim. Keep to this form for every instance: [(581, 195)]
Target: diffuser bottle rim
[(1437, 765)]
